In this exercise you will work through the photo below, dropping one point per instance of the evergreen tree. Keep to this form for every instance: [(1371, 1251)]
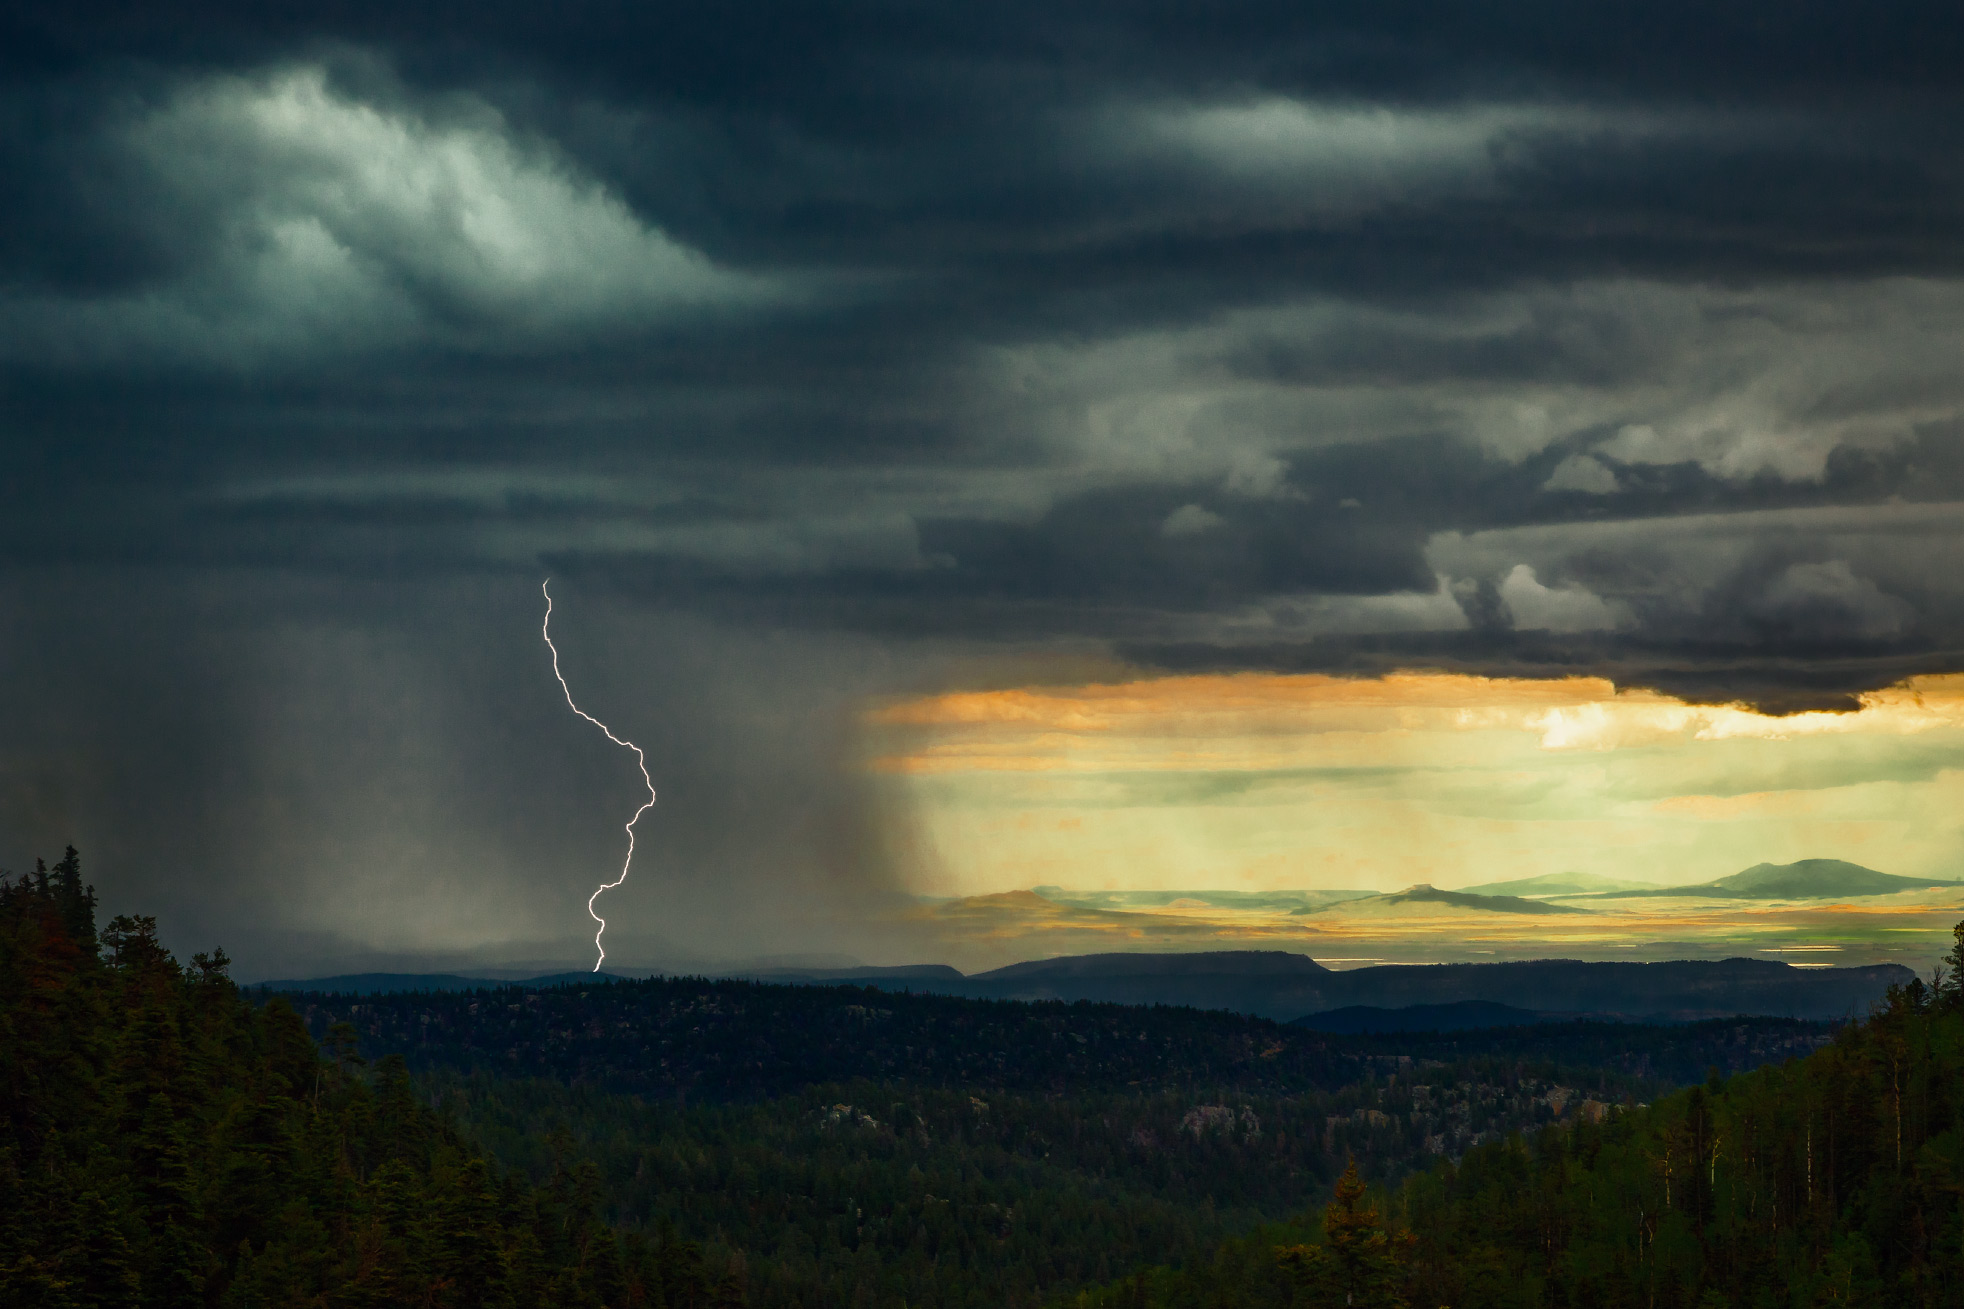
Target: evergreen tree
[(164, 1142), (1360, 1265), (73, 901)]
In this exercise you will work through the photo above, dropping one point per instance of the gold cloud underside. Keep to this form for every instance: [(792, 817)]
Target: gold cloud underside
[(1256, 782)]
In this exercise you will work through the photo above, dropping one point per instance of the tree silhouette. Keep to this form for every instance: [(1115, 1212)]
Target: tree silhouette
[(1360, 1265)]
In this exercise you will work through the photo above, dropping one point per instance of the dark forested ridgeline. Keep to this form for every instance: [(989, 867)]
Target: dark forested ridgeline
[(1283, 985), (895, 1193), (171, 1141), (1833, 1180), (1011, 1171), (865, 1147), (693, 1040), (163, 1143)]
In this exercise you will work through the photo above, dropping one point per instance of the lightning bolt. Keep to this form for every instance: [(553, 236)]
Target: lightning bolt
[(640, 759)]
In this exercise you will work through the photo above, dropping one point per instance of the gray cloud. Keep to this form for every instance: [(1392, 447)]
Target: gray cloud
[(301, 221), (835, 354), (314, 771)]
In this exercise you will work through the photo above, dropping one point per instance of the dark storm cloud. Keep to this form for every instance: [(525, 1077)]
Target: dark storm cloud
[(313, 772), (825, 350)]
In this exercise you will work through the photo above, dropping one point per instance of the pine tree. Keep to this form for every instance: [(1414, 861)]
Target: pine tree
[(1950, 982), (104, 1268), (1360, 1265), (73, 901), (164, 1142)]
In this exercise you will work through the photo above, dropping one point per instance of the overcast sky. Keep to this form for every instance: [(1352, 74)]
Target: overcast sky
[(828, 354)]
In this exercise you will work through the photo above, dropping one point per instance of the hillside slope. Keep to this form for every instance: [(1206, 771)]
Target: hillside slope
[(164, 1143), (1818, 878), (1805, 879), (1556, 884), (1837, 1179), (1428, 900), (1283, 986)]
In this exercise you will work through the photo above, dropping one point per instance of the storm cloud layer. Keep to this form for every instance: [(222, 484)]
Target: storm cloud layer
[(825, 351)]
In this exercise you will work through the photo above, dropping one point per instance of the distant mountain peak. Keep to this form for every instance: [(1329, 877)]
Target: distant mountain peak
[(1421, 896), (1240, 963), (1804, 879), (1558, 885), (1834, 876)]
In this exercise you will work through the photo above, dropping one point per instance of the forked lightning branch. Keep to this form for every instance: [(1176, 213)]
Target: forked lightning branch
[(641, 761)]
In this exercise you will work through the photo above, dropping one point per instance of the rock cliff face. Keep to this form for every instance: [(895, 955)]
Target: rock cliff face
[(1205, 1118)]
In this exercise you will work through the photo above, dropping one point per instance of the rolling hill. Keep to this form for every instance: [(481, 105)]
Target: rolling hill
[(1557, 884), (399, 983), (1814, 878), (1428, 900), (1806, 879), (1281, 985), (1215, 899), (1465, 1016)]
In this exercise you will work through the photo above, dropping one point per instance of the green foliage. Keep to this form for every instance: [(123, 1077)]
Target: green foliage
[(686, 1144), (898, 1192), (164, 1143), (1360, 1265), (693, 1040), (1832, 1180), (853, 1146)]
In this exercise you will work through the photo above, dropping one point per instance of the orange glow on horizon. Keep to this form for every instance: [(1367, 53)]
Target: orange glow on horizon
[(1043, 729)]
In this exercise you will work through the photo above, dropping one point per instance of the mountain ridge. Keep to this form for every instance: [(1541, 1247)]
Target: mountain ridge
[(397, 983), (1557, 885), (1284, 985), (1804, 879), (1675, 990), (1461, 1016), (1392, 903)]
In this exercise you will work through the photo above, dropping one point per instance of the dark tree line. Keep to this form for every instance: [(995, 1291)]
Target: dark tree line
[(692, 1041), (167, 1140), (164, 1143), (1837, 1179), (1038, 1148)]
